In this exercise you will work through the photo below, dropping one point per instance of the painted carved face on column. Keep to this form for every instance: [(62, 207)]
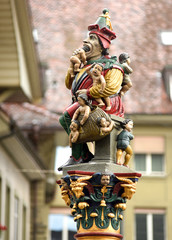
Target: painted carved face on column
[(105, 180), (64, 184), (93, 47)]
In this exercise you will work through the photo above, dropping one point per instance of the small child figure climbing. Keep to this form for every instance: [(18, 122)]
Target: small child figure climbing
[(124, 59), (105, 125), (74, 134), (84, 109), (123, 142), (98, 79), (76, 61)]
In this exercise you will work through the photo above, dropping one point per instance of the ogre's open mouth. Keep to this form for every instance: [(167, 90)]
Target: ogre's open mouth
[(86, 48)]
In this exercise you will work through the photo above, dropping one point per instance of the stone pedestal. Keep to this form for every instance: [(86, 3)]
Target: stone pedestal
[(97, 191)]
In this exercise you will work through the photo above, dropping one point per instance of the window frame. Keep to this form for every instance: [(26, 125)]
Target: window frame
[(24, 222), (65, 231), (7, 211), (149, 221), (167, 80), (165, 35), (16, 217), (148, 165)]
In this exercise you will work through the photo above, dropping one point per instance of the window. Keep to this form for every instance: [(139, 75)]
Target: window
[(35, 35), (61, 227), (149, 164), (16, 218), (166, 37), (150, 225), (7, 213), (167, 80), (149, 155), (24, 223), (122, 226)]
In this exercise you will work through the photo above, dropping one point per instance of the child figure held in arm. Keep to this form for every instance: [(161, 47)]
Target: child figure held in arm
[(75, 62), (123, 142), (98, 79), (124, 59), (105, 125), (84, 109)]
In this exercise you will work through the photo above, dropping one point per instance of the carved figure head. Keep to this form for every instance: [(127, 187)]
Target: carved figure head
[(102, 122), (105, 179), (74, 126), (127, 124), (65, 182), (124, 57), (97, 69), (83, 99), (103, 29), (93, 47), (100, 37)]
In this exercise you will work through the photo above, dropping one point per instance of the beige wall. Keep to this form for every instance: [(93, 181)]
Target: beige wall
[(152, 192), (19, 187)]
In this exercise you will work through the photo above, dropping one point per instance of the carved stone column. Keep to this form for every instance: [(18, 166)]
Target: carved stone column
[(97, 202)]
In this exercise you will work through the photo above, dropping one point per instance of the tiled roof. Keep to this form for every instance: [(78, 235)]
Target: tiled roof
[(28, 116), (62, 25)]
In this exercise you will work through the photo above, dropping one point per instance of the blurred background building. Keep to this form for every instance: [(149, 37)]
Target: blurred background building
[(36, 40)]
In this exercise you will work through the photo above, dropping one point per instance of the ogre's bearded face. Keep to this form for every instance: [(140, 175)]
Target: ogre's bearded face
[(92, 47)]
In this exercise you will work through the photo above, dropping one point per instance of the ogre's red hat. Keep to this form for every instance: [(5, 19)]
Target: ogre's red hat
[(103, 29)]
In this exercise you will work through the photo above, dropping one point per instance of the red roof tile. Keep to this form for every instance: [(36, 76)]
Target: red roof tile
[(28, 116)]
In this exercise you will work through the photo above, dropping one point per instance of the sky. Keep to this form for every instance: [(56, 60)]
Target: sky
[(62, 155)]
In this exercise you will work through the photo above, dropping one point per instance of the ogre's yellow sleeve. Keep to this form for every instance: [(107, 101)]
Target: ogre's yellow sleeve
[(113, 79), (68, 80)]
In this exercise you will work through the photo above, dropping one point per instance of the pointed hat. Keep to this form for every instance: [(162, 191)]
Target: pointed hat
[(103, 29)]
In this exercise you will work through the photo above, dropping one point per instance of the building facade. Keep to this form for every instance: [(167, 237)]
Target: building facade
[(148, 214), (24, 161), (15, 84)]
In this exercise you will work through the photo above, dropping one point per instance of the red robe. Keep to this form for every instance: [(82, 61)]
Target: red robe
[(84, 81)]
